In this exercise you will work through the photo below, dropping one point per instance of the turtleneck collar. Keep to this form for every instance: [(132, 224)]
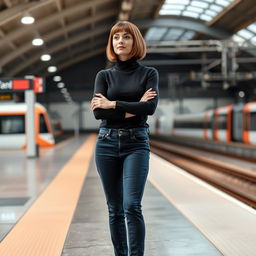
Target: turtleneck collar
[(128, 65)]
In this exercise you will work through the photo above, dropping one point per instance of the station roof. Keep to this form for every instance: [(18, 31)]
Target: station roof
[(73, 31)]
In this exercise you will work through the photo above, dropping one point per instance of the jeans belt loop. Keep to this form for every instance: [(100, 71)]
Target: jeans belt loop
[(109, 131), (132, 132)]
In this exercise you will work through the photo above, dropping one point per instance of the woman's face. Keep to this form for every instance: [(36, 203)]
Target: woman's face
[(122, 44)]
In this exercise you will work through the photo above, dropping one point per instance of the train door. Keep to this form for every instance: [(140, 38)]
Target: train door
[(253, 127), (237, 125), (249, 123), (208, 125), (44, 136), (223, 123)]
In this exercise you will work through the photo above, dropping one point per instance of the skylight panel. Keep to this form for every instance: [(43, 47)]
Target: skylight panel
[(222, 2), (177, 1), (216, 7), (190, 14), (253, 40), (248, 35), (200, 9), (195, 9), (170, 12), (252, 28), (241, 41), (155, 34), (245, 34), (174, 34), (238, 39), (205, 17), (199, 4), (173, 7), (187, 35), (211, 13), (176, 31)]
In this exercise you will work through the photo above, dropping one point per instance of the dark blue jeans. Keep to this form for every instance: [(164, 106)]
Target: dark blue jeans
[(122, 160)]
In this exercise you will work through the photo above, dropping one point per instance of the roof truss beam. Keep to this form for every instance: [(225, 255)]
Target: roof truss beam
[(52, 18), (57, 48), (81, 23)]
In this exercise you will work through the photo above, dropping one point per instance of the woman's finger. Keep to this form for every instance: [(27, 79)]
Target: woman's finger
[(100, 95), (149, 93)]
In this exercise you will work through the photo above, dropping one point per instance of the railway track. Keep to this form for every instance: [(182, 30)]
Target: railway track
[(238, 181)]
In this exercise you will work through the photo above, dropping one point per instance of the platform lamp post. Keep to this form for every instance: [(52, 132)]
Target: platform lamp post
[(32, 150)]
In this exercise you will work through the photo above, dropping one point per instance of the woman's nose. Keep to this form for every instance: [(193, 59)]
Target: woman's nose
[(120, 40)]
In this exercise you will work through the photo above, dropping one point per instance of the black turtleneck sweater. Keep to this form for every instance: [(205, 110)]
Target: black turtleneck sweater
[(125, 83)]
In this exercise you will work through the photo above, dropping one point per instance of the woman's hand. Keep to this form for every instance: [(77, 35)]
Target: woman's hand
[(102, 102), (148, 95)]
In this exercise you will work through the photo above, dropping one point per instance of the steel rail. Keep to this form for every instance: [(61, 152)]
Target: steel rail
[(236, 181)]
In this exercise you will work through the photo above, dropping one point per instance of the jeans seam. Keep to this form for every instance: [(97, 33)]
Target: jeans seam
[(119, 145)]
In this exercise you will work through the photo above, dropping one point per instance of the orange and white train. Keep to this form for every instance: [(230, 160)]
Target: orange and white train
[(227, 123), (13, 126)]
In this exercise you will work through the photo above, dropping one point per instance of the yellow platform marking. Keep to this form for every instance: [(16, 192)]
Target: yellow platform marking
[(43, 229)]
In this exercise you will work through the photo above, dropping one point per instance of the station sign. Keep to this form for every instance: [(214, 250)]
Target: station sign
[(21, 84)]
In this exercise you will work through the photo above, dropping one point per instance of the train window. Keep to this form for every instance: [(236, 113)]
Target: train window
[(253, 121), (207, 124), (189, 124), (12, 124), (43, 127), (239, 123), (246, 121), (222, 122)]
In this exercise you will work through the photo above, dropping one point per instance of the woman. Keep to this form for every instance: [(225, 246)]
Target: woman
[(123, 97)]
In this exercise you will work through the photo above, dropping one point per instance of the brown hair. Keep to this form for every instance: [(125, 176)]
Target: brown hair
[(139, 46)]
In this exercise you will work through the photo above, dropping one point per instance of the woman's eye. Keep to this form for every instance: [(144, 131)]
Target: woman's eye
[(116, 37)]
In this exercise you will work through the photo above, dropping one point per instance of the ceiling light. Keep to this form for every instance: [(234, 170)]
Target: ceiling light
[(45, 57), (57, 78), (52, 69), (60, 85), (27, 19), (63, 90), (241, 94), (37, 41)]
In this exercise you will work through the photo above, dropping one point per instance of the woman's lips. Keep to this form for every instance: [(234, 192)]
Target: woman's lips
[(120, 47)]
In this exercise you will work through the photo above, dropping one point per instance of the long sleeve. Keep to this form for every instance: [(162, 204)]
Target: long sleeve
[(100, 86), (142, 108)]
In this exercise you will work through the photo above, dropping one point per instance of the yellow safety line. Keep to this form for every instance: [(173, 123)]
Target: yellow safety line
[(43, 229)]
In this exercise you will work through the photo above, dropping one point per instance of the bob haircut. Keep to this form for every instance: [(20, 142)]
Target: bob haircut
[(139, 46)]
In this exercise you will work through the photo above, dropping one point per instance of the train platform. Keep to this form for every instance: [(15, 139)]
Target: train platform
[(55, 205)]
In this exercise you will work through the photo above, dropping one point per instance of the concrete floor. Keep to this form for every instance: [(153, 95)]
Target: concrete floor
[(168, 233)]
